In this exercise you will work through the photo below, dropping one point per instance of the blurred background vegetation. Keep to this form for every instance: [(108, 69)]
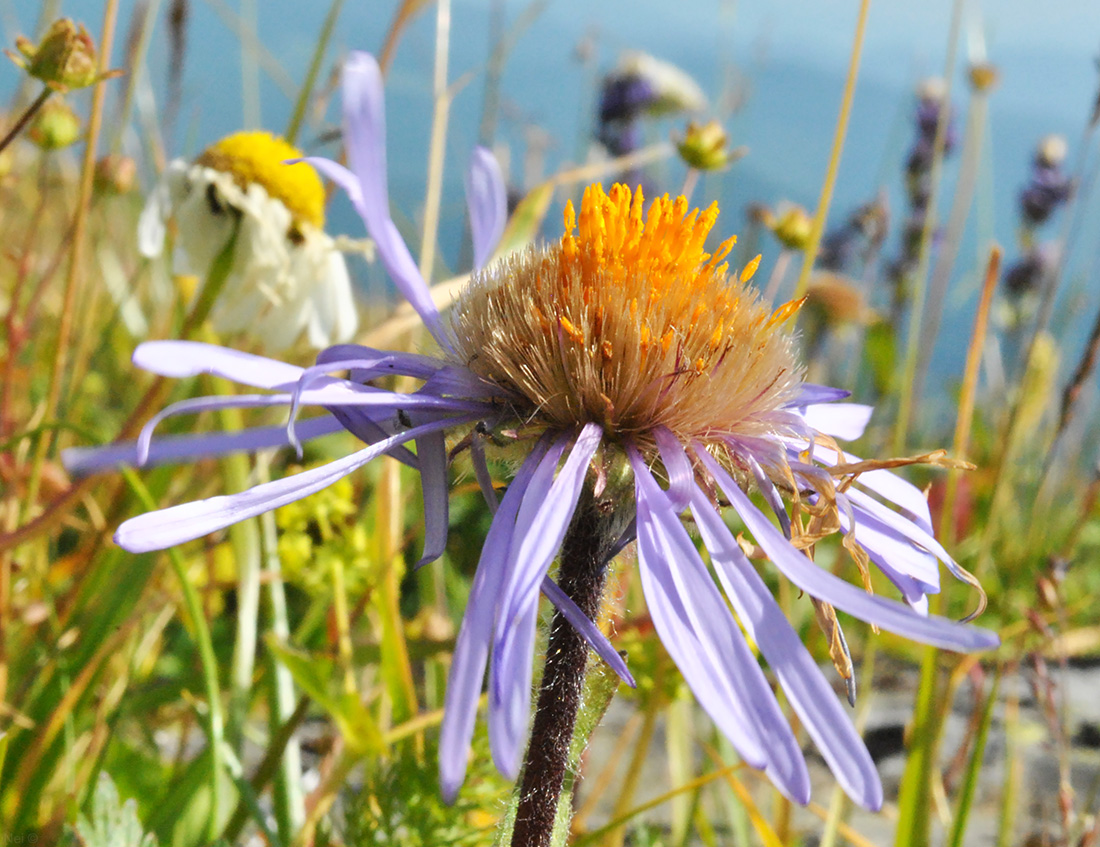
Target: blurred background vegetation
[(281, 683)]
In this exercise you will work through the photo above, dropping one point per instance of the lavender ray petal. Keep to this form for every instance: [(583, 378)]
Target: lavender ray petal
[(887, 614), (913, 591), (365, 140), (679, 636), (762, 450), (486, 202), (629, 534), (191, 358), (876, 536), (588, 630), (195, 405), (359, 423), (812, 394), (364, 114), (899, 524), (727, 661), (472, 645), (177, 448), (338, 174), (481, 472), (344, 393), (375, 363), (177, 524), (770, 493), (542, 521), (540, 527), (845, 421), (813, 699), (431, 450), (459, 382), (681, 476)]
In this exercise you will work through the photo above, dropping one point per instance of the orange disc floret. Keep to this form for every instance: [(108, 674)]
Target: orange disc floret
[(628, 321)]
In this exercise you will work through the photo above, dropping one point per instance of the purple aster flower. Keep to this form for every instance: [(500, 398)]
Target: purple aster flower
[(1049, 187), (643, 383)]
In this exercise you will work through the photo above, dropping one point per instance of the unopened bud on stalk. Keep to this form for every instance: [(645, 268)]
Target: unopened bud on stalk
[(55, 127), (706, 147), (792, 226), (984, 76), (65, 59), (115, 174)]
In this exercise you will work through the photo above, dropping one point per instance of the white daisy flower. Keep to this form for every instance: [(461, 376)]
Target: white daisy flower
[(287, 277)]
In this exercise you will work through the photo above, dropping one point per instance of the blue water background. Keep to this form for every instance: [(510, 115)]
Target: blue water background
[(791, 55)]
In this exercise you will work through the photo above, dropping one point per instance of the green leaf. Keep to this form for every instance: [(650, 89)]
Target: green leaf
[(111, 824), (317, 677)]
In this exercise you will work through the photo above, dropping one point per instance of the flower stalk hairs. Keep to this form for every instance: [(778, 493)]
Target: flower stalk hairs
[(643, 384)]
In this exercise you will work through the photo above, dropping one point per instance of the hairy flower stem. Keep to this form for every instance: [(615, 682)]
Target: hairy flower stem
[(585, 552)]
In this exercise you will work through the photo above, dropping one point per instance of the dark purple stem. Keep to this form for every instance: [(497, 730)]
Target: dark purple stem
[(587, 547)]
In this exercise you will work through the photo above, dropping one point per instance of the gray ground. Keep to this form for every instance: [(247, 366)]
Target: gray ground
[(1077, 694)]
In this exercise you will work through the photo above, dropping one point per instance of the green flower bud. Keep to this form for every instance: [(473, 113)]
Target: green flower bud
[(706, 147), (55, 126), (66, 58), (792, 226)]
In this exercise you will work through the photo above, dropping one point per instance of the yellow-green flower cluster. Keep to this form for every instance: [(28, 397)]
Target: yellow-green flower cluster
[(320, 532)]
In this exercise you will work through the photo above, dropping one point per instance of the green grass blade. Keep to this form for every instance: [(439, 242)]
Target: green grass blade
[(306, 91), (915, 800), (973, 768)]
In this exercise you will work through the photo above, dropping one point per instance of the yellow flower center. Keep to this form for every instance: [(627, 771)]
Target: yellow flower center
[(628, 322), (258, 157)]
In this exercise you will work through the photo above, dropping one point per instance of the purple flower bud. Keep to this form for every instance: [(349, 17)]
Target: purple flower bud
[(1026, 274), (624, 97), (620, 138), (1047, 190)]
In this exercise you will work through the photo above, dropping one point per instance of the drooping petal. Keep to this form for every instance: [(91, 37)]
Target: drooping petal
[(472, 645), (178, 448), (770, 492), (181, 359), (431, 451), (481, 471), (845, 421), (696, 628), (486, 202), (541, 523), (177, 524), (899, 524), (588, 630), (195, 405), (678, 465), (813, 699), (678, 633), (903, 556), (887, 614)]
